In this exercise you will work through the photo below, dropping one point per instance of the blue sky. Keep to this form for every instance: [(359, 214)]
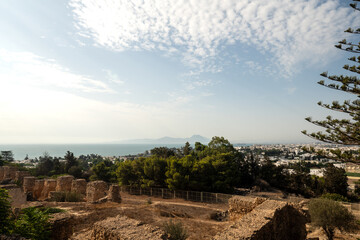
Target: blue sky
[(87, 71)]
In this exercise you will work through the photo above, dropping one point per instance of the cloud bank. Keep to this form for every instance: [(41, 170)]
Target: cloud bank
[(293, 32)]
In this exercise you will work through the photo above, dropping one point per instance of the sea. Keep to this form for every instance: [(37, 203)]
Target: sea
[(20, 151)]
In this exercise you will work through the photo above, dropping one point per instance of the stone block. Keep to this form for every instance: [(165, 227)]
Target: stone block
[(1, 173), (38, 188), (79, 186), (96, 190), (28, 184), (64, 183), (49, 186), (114, 193), (19, 176)]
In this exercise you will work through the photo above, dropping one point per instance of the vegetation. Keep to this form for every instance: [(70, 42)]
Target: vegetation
[(175, 231), (335, 197), (330, 215), (32, 223), (5, 212), (68, 197), (342, 131)]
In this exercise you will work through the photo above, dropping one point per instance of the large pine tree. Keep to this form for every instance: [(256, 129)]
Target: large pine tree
[(342, 131)]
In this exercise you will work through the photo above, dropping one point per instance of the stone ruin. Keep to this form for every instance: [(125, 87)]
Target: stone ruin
[(269, 220), (239, 206), (122, 227), (44, 189)]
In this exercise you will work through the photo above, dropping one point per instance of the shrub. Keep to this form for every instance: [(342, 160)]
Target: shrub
[(33, 224), (51, 210), (335, 197), (175, 231), (5, 212), (329, 215)]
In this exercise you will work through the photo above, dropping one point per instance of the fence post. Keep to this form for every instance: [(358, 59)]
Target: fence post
[(216, 197), (174, 194), (130, 190), (162, 193), (187, 195), (140, 191), (150, 191), (201, 196)]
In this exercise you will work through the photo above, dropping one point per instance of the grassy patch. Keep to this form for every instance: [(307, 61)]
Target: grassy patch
[(350, 174)]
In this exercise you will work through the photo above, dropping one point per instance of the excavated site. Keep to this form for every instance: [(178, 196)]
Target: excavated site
[(108, 214)]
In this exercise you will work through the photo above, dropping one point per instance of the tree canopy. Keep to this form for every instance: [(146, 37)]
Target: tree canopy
[(342, 131)]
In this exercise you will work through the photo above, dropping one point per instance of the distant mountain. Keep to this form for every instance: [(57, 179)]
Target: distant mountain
[(169, 140)]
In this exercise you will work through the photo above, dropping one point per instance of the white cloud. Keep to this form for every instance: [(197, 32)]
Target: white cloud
[(26, 68), (293, 31), (113, 77)]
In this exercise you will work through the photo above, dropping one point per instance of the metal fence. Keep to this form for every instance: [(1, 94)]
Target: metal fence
[(165, 193)]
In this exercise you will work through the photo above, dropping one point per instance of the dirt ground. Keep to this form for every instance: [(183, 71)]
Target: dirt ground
[(194, 216)]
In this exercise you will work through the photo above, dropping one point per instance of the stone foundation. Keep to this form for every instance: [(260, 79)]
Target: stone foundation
[(17, 196), (62, 226), (114, 194), (79, 186), (29, 183), (49, 186), (271, 220), (1, 173), (239, 206), (64, 183), (124, 228), (9, 172), (96, 190), (19, 176), (38, 188)]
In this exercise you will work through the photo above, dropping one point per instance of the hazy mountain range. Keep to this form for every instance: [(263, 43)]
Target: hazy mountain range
[(168, 140)]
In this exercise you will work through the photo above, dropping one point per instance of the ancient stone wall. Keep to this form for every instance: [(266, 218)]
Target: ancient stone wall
[(121, 227), (62, 226), (9, 172), (29, 183), (271, 220), (114, 193), (64, 183), (19, 176), (49, 186), (79, 186), (239, 206), (96, 190), (38, 188), (17, 196), (1, 173)]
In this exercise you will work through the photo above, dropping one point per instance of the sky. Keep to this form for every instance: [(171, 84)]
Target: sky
[(87, 71)]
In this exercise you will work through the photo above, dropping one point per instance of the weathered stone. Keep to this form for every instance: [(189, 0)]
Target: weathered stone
[(79, 186), (124, 228), (271, 220), (96, 190), (114, 194), (64, 183), (17, 196), (19, 176), (49, 186), (9, 172), (28, 184), (61, 226), (239, 206), (12, 237), (1, 173), (38, 188)]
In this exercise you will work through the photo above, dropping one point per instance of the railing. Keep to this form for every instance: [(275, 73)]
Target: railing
[(205, 197)]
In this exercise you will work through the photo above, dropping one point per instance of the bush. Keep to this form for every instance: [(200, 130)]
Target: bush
[(329, 215), (335, 197), (175, 231), (5, 212), (33, 223)]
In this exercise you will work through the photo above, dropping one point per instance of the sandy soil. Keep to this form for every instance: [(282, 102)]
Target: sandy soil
[(194, 216)]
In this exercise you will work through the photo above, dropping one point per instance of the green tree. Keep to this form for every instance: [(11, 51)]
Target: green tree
[(335, 180), (186, 149), (7, 156), (342, 131), (105, 171), (70, 161), (330, 215), (5, 212), (45, 165)]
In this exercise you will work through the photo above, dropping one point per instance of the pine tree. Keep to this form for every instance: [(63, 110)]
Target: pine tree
[(342, 131)]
